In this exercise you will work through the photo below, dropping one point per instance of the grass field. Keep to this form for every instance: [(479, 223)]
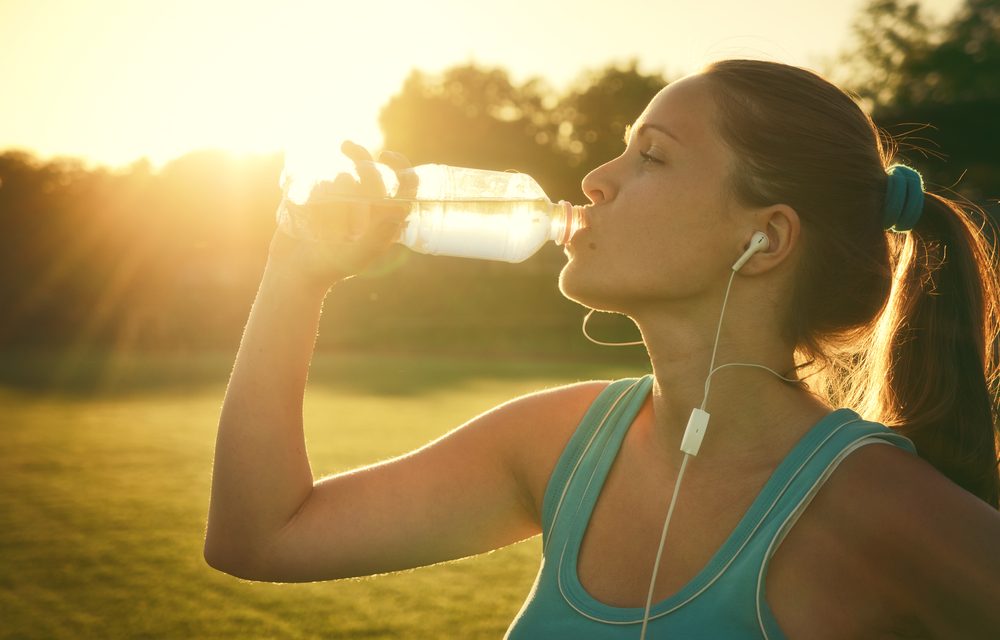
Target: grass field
[(104, 497)]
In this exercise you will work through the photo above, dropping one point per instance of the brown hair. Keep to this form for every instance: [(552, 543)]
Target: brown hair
[(901, 327)]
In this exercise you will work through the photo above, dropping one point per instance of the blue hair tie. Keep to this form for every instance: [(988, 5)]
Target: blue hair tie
[(904, 199)]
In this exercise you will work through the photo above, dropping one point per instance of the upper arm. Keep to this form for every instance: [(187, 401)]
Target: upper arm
[(890, 545), (472, 490), (941, 543), (950, 549)]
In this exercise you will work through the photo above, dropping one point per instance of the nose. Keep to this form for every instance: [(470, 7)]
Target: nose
[(598, 185)]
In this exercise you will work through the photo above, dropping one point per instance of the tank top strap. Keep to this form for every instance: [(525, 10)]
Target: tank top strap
[(803, 471), (732, 583), (796, 482), (589, 454)]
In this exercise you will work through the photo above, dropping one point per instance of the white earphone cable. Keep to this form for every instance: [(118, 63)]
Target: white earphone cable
[(659, 550), (586, 335), (715, 347), (712, 369), (756, 245)]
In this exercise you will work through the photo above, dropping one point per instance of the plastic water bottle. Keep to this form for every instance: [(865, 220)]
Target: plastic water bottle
[(456, 211)]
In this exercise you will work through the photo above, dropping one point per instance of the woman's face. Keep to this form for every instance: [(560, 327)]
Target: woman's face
[(663, 225)]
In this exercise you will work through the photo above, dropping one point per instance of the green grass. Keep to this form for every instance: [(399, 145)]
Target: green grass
[(104, 497)]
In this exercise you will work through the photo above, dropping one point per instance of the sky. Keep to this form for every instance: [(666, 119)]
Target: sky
[(112, 81)]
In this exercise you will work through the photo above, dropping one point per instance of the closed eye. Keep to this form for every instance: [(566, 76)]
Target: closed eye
[(652, 154), (646, 155)]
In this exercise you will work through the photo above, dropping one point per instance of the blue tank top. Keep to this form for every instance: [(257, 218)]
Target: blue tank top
[(726, 598)]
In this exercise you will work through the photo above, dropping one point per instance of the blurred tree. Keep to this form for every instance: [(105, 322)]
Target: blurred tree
[(468, 116), (131, 259), (938, 80), (478, 117), (888, 34), (51, 252), (592, 118)]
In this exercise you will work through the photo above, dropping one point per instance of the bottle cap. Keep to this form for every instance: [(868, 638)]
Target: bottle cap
[(573, 221)]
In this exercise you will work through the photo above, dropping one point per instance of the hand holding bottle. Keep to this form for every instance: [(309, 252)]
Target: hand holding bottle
[(451, 211), (351, 221)]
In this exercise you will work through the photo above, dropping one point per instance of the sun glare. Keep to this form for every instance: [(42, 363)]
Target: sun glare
[(225, 75)]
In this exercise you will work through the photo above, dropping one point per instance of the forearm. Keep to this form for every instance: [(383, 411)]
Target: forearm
[(261, 474)]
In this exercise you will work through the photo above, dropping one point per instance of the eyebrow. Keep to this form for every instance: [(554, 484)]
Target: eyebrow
[(648, 125)]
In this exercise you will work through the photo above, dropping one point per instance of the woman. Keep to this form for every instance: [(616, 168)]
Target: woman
[(832, 310)]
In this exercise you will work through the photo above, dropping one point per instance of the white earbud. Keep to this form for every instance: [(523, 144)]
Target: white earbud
[(758, 242)]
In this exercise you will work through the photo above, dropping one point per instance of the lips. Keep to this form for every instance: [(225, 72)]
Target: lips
[(575, 240), (586, 222)]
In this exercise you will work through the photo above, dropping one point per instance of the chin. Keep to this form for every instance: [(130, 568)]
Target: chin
[(570, 281), (587, 291)]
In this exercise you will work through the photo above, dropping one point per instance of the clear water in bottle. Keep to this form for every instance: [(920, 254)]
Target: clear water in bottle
[(456, 211), (507, 230)]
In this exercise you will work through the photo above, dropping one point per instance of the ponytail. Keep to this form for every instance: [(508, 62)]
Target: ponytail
[(933, 355)]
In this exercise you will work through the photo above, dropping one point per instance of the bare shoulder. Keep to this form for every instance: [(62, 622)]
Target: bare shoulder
[(536, 429), (902, 546), (881, 491)]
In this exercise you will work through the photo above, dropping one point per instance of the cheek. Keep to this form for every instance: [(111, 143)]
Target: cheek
[(607, 271), (649, 254)]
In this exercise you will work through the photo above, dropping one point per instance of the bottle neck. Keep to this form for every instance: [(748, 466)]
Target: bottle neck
[(567, 219)]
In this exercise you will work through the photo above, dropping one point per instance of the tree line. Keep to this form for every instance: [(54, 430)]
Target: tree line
[(140, 259)]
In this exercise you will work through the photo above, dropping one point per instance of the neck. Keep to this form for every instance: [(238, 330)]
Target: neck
[(753, 411)]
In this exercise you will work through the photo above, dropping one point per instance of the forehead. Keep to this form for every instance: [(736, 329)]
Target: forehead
[(686, 108)]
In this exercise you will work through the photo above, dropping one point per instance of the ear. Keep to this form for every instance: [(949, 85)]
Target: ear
[(781, 224)]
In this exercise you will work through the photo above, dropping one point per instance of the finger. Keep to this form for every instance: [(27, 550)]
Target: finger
[(388, 229), (407, 178), (355, 151), (394, 159), (345, 183), (337, 220), (333, 219), (365, 166), (342, 184)]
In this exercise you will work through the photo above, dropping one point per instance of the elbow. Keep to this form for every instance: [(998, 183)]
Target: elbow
[(233, 567), (242, 562), (227, 559), (219, 560)]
